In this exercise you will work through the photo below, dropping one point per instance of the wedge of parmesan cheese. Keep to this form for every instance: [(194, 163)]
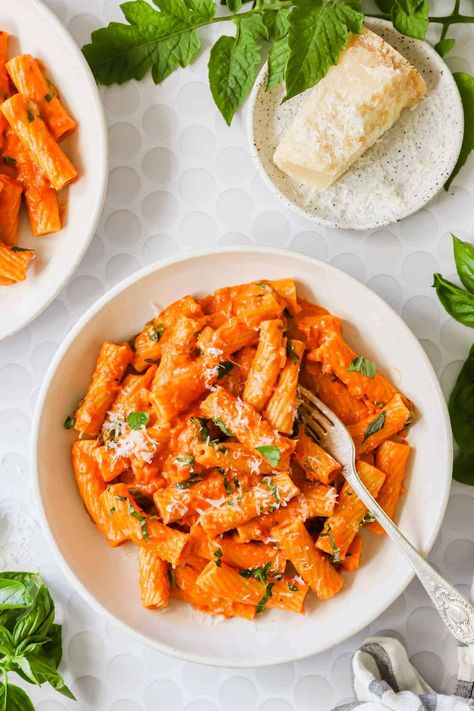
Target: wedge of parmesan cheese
[(346, 112)]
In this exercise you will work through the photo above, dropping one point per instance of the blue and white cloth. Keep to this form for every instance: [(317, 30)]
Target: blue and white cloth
[(385, 680)]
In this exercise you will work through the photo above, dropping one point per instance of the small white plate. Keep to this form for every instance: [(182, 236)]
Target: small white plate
[(417, 154), (35, 30), (108, 577)]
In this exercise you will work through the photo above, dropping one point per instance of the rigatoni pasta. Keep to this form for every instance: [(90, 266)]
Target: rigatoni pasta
[(198, 454)]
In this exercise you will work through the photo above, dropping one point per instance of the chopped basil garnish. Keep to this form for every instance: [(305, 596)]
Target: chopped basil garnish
[(133, 512), (171, 577), (113, 509), (271, 453), (184, 461), (19, 249), (263, 285), (268, 593), (191, 481), (137, 419), (270, 484), (363, 365), (291, 353), (222, 426), (293, 587), (30, 115), (218, 555), (336, 556), (69, 422), (49, 96), (259, 573), (202, 424), (227, 486), (223, 368), (155, 333), (9, 161), (374, 426), (368, 518)]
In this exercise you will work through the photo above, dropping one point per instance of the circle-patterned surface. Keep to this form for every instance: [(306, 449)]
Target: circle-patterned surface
[(161, 216)]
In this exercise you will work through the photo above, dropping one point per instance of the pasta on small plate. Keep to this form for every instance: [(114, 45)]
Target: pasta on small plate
[(194, 483)]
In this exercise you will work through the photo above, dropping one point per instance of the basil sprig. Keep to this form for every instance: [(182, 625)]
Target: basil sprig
[(30, 640), (458, 302)]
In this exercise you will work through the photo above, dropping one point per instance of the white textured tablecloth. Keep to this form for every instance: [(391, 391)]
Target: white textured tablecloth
[(181, 180)]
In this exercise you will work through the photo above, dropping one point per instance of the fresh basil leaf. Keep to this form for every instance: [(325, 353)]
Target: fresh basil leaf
[(223, 368), (374, 426), (461, 411), (270, 484), (136, 420), (13, 595), (156, 41), (203, 426), (191, 481), (444, 46), (259, 573), (458, 303), (7, 646), (44, 671), (385, 5), (291, 353), (16, 699), (38, 619), (223, 428), (465, 84), (464, 258), (363, 365), (318, 33), (156, 332), (69, 422), (410, 17), (263, 601), (271, 453), (233, 64), (463, 469)]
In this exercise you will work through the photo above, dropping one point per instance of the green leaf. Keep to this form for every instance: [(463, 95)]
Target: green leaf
[(38, 619), (156, 41), (410, 17), (17, 699), (461, 407), (385, 5), (223, 428), (465, 84), (291, 353), (263, 601), (464, 258), (69, 422), (191, 481), (13, 595), (44, 671), (374, 426), (259, 573), (233, 64), (185, 461), (444, 46), (463, 468), (363, 365), (155, 333), (319, 31), (6, 642), (271, 453), (458, 303), (136, 420), (223, 368)]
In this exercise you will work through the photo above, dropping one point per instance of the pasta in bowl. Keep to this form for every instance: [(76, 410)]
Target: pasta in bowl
[(194, 462)]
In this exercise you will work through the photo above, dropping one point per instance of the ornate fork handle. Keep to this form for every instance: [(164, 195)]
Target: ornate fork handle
[(455, 611)]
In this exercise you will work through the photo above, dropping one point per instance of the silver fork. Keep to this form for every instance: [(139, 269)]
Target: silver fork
[(455, 611)]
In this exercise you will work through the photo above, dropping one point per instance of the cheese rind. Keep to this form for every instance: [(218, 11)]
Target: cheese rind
[(346, 112)]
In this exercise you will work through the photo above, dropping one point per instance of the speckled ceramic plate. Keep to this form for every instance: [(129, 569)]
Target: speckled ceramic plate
[(398, 175)]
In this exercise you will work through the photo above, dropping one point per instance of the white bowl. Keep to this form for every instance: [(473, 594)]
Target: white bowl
[(35, 30), (108, 577), (403, 171)]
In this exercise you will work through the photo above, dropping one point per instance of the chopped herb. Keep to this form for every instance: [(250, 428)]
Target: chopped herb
[(203, 426), (223, 368), (263, 285), (113, 509), (293, 587), (291, 353), (218, 555), (374, 426), (137, 419), (363, 365), (155, 332), (191, 481), (271, 453), (259, 573), (270, 484), (336, 555), (185, 461), (171, 577), (69, 422), (379, 403), (272, 509), (9, 161), (234, 502), (227, 486), (368, 518), (136, 514), (49, 96), (30, 115), (268, 593), (222, 426), (19, 249)]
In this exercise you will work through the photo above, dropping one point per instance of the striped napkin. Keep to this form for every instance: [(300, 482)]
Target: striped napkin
[(385, 680)]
